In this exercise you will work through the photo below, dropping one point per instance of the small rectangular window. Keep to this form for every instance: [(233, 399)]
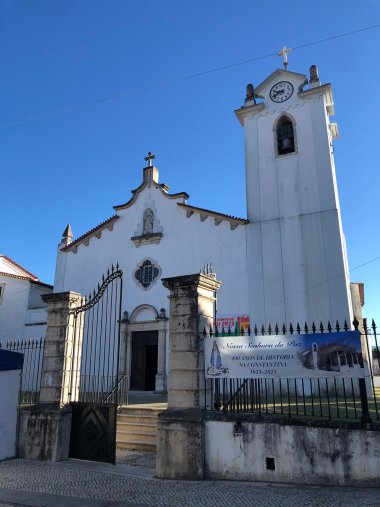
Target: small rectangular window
[(2, 287)]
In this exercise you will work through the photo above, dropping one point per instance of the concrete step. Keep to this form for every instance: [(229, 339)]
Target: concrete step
[(132, 436), (137, 426), (137, 446)]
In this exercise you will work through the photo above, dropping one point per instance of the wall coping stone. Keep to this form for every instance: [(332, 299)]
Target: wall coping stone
[(187, 415), (58, 297), (200, 280), (286, 421), (50, 408)]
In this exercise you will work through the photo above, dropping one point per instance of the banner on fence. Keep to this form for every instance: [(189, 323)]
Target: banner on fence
[(227, 324), (285, 356)]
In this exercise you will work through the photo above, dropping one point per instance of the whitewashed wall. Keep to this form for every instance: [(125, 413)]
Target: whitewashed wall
[(13, 308), (295, 237), (186, 246), (301, 454), (17, 320)]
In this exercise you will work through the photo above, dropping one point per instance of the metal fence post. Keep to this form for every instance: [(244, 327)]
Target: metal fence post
[(365, 417)]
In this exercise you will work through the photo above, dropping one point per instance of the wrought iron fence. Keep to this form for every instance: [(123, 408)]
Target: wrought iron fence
[(330, 397), (95, 374), (33, 350)]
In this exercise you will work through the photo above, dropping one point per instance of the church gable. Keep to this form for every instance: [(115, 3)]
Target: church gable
[(279, 75), (84, 239), (146, 214), (150, 180)]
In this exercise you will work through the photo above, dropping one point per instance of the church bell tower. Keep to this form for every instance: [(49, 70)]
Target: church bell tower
[(297, 263)]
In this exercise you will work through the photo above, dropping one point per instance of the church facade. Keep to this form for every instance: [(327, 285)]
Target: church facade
[(286, 262)]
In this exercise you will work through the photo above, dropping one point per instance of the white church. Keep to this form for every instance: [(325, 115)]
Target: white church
[(285, 262)]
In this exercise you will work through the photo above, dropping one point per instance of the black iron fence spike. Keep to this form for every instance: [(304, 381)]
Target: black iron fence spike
[(313, 327), (329, 327), (229, 331), (255, 330), (269, 329), (291, 329), (283, 328), (321, 328), (262, 329), (337, 326), (211, 331), (306, 329), (298, 328), (345, 325), (204, 332), (249, 330), (373, 325), (355, 322), (242, 331), (365, 326), (276, 330)]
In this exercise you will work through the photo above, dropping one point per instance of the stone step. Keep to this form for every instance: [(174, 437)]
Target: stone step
[(137, 446), (137, 426), (131, 436)]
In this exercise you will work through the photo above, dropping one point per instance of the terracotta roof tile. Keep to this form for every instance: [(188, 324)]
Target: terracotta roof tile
[(30, 275), (26, 278), (230, 218), (90, 233)]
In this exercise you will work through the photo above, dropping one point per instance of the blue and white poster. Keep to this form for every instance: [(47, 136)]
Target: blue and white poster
[(285, 356)]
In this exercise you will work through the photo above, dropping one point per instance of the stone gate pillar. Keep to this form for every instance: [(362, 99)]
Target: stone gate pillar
[(45, 427), (180, 431)]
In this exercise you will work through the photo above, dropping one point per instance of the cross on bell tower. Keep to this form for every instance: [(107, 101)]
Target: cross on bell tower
[(284, 54), (149, 158)]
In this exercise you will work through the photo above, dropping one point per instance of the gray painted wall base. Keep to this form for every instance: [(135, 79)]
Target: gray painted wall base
[(180, 444), (291, 452), (44, 432)]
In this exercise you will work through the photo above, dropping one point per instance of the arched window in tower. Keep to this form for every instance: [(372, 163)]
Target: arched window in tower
[(285, 136)]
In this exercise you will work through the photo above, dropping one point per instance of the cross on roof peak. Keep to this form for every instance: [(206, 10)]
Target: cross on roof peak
[(149, 158), (284, 54)]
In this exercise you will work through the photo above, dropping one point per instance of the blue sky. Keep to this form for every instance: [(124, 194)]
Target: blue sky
[(73, 165)]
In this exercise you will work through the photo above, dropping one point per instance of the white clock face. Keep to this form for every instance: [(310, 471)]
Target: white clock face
[(281, 91)]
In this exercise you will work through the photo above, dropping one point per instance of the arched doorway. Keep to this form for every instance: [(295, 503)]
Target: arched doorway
[(146, 349)]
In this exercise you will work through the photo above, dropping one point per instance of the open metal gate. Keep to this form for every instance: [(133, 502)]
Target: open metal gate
[(95, 380)]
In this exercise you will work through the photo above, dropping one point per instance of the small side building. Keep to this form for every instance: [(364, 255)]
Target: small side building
[(22, 312)]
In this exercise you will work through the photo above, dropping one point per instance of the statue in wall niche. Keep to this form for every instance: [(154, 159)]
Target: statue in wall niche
[(314, 77), (250, 95), (148, 221)]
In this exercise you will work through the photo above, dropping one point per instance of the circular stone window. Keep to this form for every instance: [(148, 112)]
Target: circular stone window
[(146, 274)]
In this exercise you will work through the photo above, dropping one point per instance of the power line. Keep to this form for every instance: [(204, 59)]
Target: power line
[(319, 284), (191, 76)]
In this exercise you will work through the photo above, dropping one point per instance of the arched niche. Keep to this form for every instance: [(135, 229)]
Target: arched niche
[(285, 135), (144, 313)]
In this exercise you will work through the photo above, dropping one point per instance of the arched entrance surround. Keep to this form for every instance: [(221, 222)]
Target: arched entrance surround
[(145, 342)]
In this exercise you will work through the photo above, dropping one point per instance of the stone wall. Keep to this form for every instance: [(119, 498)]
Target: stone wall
[(340, 454)]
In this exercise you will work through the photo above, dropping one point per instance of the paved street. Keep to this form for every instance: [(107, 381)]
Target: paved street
[(75, 483)]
